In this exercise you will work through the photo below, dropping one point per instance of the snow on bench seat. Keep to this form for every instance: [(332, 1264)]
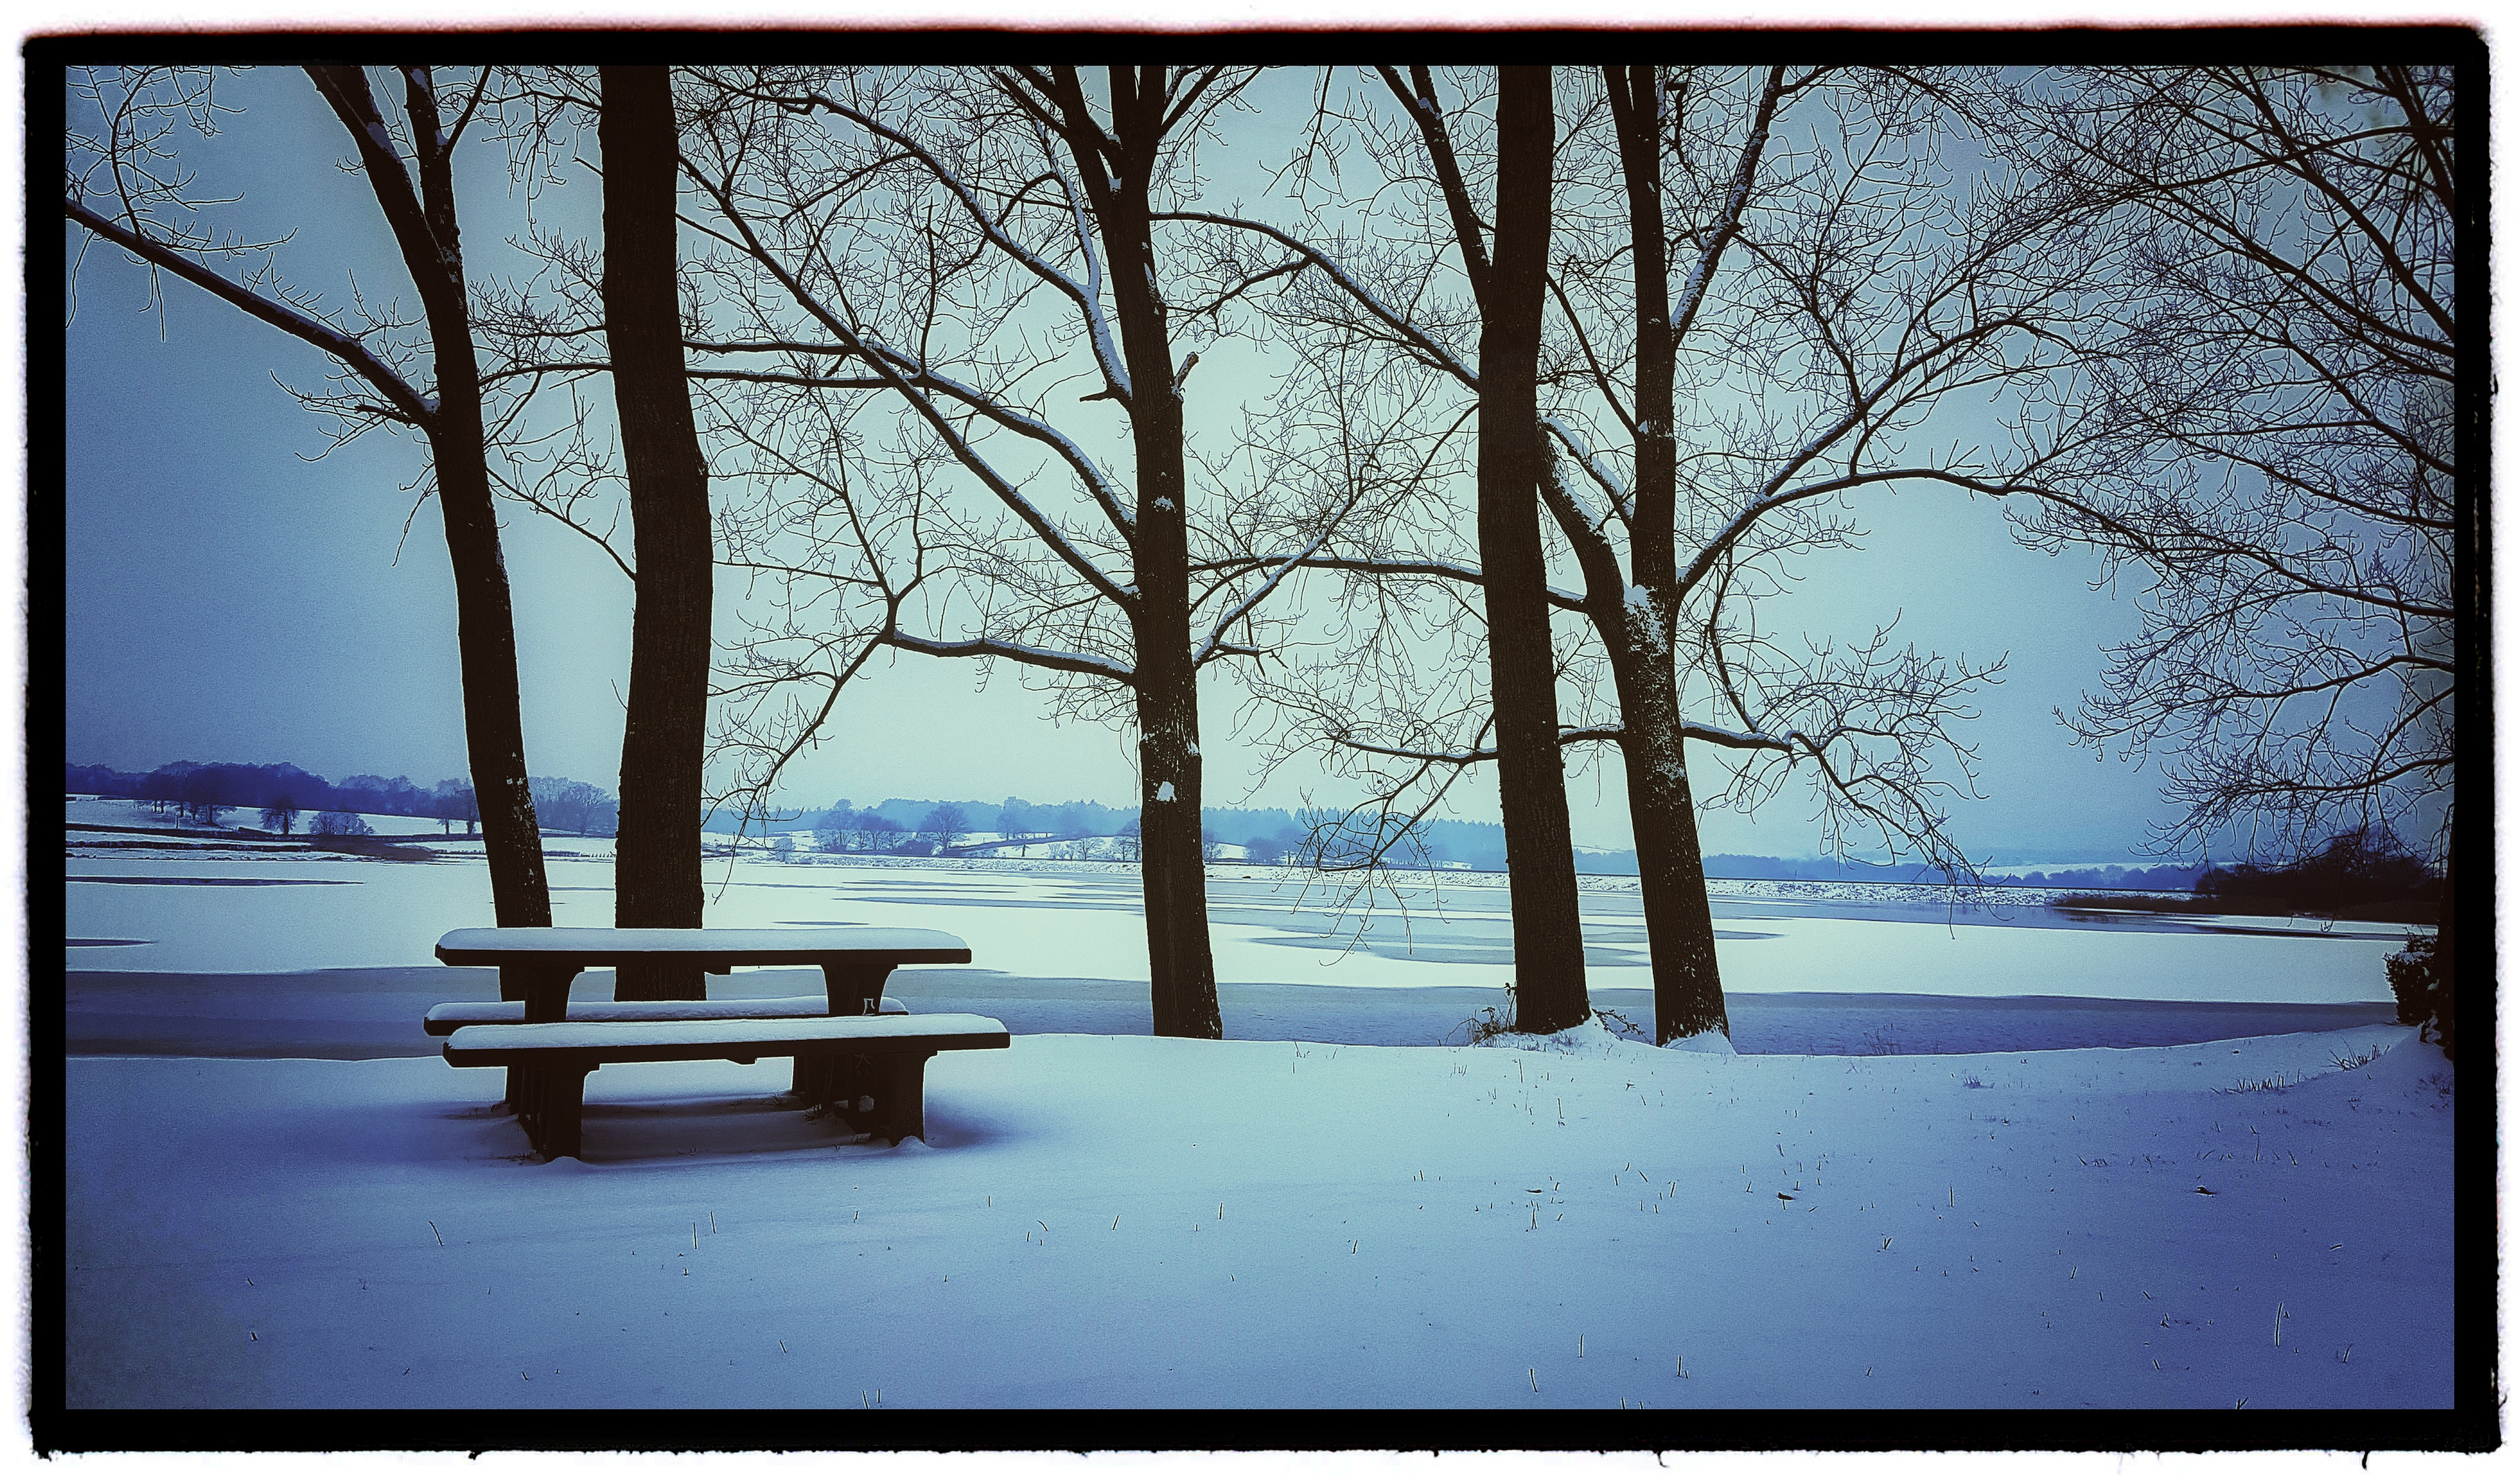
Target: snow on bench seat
[(447, 1018), (870, 1069), (711, 1039)]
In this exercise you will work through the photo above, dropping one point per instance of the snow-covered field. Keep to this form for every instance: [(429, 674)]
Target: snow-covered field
[(1101, 1218), (1128, 1221)]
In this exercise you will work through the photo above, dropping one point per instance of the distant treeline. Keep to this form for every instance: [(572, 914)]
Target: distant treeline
[(928, 826), (2366, 874), (203, 792), (2115, 878), (2362, 874), (1265, 835)]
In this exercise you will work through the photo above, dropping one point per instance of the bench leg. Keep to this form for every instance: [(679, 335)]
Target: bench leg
[(828, 1079), (525, 1099), (838, 1082), (901, 1098), (551, 1106)]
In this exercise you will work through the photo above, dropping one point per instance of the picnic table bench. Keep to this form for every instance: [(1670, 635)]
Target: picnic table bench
[(549, 1063), (857, 1052)]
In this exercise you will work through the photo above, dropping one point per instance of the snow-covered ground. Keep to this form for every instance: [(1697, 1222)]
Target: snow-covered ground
[(1102, 1221)]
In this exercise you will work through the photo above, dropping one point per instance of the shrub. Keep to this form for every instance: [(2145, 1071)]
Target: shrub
[(2354, 870), (2423, 989), (337, 821), (1485, 1025)]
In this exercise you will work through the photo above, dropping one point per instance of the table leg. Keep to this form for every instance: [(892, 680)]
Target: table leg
[(854, 987), (850, 987), (544, 989), (546, 993)]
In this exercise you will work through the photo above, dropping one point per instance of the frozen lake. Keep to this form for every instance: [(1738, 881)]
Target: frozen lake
[(331, 957)]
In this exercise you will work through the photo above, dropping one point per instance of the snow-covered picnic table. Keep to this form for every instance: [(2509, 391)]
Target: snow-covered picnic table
[(537, 964), (870, 1071)]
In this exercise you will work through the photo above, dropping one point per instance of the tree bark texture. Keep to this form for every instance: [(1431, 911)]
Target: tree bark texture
[(1670, 870), (486, 638), (1173, 869), (657, 867), (485, 631), (1679, 927), (1531, 776)]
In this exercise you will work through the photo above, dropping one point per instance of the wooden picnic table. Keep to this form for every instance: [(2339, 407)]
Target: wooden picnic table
[(537, 964)]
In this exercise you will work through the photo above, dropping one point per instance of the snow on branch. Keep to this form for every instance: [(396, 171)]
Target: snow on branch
[(1030, 655), (1212, 647), (1603, 477), (978, 400), (1087, 296), (885, 363), (1106, 353)]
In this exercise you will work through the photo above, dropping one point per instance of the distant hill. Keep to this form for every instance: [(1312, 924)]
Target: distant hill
[(1472, 844)]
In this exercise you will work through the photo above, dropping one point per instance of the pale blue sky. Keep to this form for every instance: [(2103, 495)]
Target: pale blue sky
[(232, 601)]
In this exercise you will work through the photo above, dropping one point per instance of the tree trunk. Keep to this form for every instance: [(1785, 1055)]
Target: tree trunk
[(485, 631), (486, 640), (1679, 929), (1531, 773), (1172, 870), (657, 866)]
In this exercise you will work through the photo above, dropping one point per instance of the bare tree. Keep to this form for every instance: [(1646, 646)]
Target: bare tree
[(944, 826), (575, 805), (1531, 773), (657, 863), (200, 794), (944, 239), (455, 800), (1830, 296), (1893, 284), (2284, 421), (126, 185), (280, 812)]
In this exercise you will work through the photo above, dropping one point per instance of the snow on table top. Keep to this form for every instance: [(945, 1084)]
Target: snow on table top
[(482, 945), (642, 1034)]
